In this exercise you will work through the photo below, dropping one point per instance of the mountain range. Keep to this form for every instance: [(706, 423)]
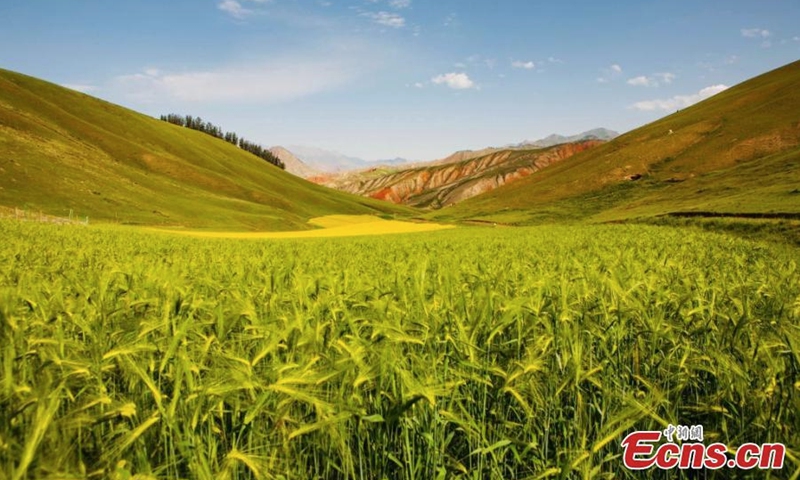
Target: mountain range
[(555, 139), (309, 162), (328, 161)]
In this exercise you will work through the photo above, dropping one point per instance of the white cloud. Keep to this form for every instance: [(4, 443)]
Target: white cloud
[(234, 8), (400, 3), (480, 61), (679, 101), (666, 77), (80, 88), (386, 19), (755, 33), (457, 81), (610, 73), (524, 65), (277, 81), (554, 60), (419, 85), (796, 39), (641, 81), (653, 81)]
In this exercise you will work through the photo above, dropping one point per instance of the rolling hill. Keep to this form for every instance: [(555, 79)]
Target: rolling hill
[(64, 152), (734, 154)]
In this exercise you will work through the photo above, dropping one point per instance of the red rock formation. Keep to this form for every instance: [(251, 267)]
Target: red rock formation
[(441, 185)]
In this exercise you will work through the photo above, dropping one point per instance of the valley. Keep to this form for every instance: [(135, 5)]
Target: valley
[(179, 303)]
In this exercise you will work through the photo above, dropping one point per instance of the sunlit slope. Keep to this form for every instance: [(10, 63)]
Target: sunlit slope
[(735, 153), (63, 151)]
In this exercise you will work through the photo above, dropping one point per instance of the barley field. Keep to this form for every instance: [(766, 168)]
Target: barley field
[(472, 353)]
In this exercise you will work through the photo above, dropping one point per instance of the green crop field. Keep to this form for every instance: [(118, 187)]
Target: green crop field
[(465, 353)]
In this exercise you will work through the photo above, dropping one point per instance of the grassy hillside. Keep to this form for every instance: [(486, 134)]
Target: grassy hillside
[(63, 151), (735, 153)]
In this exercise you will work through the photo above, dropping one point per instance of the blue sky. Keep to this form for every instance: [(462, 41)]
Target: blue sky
[(411, 78)]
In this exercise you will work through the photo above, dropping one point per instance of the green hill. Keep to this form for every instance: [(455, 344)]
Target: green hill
[(735, 154), (62, 151)]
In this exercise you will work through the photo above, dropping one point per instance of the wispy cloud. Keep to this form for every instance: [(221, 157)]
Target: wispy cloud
[(480, 61), (641, 81), (387, 19), (712, 66), (654, 80), (666, 77), (400, 3), (678, 101), (270, 82), (756, 33), (456, 81), (524, 65), (613, 71), (235, 8)]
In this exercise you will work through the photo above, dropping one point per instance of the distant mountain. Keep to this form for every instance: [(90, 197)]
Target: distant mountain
[(333, 162), (391, 161), (294, 165), (555, 139), (463, 155)]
